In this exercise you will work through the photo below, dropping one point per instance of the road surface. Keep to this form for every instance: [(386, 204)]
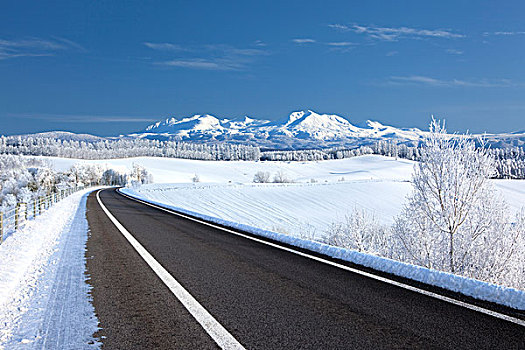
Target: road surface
[(266, 298)]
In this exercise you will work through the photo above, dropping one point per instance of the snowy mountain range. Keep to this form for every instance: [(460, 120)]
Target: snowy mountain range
[(304, 129), (301, 129)]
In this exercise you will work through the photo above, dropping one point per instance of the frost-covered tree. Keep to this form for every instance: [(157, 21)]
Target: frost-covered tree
[(107, 149), (140, 174), (454, 220), (23, 179)]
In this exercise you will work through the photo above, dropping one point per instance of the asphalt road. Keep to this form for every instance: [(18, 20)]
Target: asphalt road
[(265, 297)]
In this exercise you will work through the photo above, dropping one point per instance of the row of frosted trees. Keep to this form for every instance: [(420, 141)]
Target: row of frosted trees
[(509, 162), (125, 148), (23, 179)]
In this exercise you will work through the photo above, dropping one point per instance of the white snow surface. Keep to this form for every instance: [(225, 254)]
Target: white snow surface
[(376, 183), (44, 296), (172, 170)]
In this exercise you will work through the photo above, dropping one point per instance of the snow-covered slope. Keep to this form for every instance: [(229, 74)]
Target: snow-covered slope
[(308, 124), (359, 180), (65, 136)]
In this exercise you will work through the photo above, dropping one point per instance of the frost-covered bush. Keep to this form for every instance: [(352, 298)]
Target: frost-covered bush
[(261, 177), (281, 177), (360, 231)]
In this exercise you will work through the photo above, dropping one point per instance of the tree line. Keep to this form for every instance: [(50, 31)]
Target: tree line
[(509, 162), (23, 179)]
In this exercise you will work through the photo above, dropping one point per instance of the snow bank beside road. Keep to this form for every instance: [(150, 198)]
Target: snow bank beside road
[(477, 289), (44, 297), (286, 208), (300, 207)]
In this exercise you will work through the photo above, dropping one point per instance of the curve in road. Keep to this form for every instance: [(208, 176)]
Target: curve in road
[(265, 297)]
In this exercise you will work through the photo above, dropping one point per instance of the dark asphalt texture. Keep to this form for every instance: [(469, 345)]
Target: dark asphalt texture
[(265, 297)]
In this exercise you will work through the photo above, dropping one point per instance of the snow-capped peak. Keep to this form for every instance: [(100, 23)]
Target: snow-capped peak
[(309, 124), (197, 122), (374, 125), (302, 128)]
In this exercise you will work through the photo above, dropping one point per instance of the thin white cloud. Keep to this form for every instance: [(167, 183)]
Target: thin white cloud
[(392, 53), (201, 63), (340, 27), (83, 118), (455, 51), (9, 54), (396, 33), (246, 52), (341, 43), (32, 44), (304, 41), (165, 46), (506, 33), (35, 47), (218, 57), (70, 43), (260, 43), (428, 81)]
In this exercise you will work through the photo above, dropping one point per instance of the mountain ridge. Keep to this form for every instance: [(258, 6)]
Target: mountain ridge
[(302, 129)]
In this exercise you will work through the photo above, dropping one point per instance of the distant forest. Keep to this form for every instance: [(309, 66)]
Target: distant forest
[(510, 161)]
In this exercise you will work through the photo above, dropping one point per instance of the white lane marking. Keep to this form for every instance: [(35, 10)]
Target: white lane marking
[(363, 273), (222, 337)]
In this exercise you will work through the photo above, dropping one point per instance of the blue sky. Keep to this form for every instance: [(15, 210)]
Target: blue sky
[(110, 67)]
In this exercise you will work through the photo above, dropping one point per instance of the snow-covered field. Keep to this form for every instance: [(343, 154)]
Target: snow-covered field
[(294, 208), (44, 297), (376, 183), (226, 191), (322, 194), (170, 170)]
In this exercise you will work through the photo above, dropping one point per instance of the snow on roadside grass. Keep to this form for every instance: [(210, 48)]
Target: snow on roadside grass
[(44, 297)]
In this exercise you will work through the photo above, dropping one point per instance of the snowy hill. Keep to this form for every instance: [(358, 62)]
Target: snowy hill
[(65, 136)]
